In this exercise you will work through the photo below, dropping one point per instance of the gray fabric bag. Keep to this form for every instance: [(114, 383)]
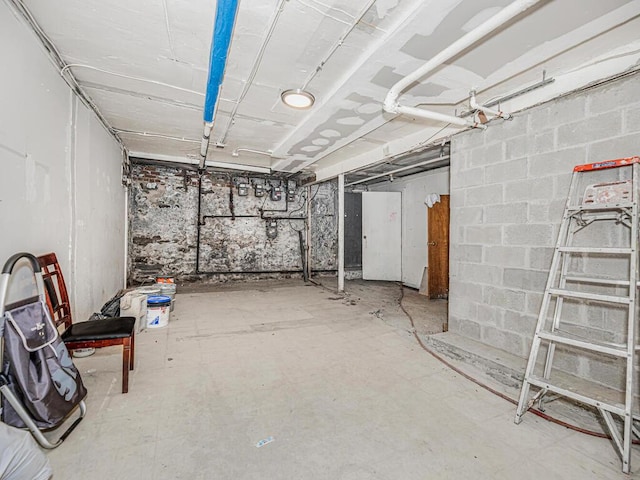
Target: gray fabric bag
[(39, 367)]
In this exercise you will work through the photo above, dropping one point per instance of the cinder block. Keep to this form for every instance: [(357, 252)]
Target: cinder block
[(517, 147), (557, 162), (561, 184), (468, 215), (631, 119), (529, 234), (533, 303), (507, 299), (607, 372), (484, 234), (593, 128), (540, 258), (543, 142), (506, 172), (618, 147), (482, 274), (501, 130), (457, 158), (490, 315), (530, 280), (614, 95), (507, 214), (469, 177), (467, 253), (468, 139), (466, 328), (465, 290), (487, 155), (505, 256), (559, 112), (538, 211), (519, 323), (485, 195), (530, 189), (508, 341)]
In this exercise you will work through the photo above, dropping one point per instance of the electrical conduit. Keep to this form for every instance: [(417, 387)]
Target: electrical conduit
[(222, 30), (391, 104)]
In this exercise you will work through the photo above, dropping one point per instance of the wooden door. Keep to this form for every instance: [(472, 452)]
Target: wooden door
[(438, 248)]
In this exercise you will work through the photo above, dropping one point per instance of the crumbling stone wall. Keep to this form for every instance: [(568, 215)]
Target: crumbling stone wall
[(232, 242)]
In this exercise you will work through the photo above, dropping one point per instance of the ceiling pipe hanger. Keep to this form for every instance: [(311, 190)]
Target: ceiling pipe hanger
[(226, 11), (391, 104)]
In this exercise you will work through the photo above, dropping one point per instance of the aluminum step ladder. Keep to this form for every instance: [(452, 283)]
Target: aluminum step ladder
[(580, 280)]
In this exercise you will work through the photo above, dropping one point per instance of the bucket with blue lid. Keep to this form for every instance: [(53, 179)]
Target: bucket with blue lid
[(158, 311)]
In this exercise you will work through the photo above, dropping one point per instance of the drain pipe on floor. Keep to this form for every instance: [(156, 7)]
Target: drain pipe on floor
[(391, 104), (222, 30)]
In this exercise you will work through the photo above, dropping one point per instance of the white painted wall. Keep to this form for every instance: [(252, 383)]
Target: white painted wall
[(60, 185), (414, 218)]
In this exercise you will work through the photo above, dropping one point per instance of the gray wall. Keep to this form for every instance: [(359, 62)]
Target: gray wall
[(233, 239), (508, 188)]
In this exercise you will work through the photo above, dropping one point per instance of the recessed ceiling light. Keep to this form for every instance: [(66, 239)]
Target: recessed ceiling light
[(297, 98)]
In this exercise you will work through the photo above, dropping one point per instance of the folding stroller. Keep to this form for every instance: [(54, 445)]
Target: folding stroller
[(40, 386)]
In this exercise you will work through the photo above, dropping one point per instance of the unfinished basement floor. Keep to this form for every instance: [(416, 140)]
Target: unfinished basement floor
[(339, 384)]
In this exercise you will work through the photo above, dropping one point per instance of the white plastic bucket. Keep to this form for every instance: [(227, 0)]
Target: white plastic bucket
[(168, 289), (134, 304), (158, 311)]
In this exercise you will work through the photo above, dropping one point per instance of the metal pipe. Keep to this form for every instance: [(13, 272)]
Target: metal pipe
[(391, 104), (401, 169), (222, 30), (236, 152), (307, 233), (341, 232)]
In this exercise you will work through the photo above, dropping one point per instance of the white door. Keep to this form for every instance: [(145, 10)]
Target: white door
[(381, 236)]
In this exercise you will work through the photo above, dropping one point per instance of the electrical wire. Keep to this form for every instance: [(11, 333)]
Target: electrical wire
[(166, 21), (130, 77), (490, 389)]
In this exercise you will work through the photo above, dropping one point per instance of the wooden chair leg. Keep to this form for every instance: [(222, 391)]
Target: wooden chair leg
[(126, 356), (133, 351)]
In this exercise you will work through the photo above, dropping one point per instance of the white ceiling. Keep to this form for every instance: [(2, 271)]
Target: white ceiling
[(144, 64)]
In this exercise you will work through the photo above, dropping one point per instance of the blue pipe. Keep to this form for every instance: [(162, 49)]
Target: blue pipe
[(223, 28)]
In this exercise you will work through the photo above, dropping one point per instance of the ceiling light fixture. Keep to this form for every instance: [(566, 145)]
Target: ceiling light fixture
[(297, 98)]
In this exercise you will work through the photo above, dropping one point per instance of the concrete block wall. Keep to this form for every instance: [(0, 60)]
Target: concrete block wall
[(163, 236), (508, 189)]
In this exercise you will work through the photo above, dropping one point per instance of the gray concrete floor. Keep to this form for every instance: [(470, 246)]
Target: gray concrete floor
[(340, 385)]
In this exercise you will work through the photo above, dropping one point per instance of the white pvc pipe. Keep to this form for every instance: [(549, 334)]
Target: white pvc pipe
[(440, 117), (341, 232), (503, 16), (476, 106)]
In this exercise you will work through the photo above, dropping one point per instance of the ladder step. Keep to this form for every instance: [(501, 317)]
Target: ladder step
[(590, 296), (540, 382), (597, 280), (612, 349), (599, 207), (607, 250)]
